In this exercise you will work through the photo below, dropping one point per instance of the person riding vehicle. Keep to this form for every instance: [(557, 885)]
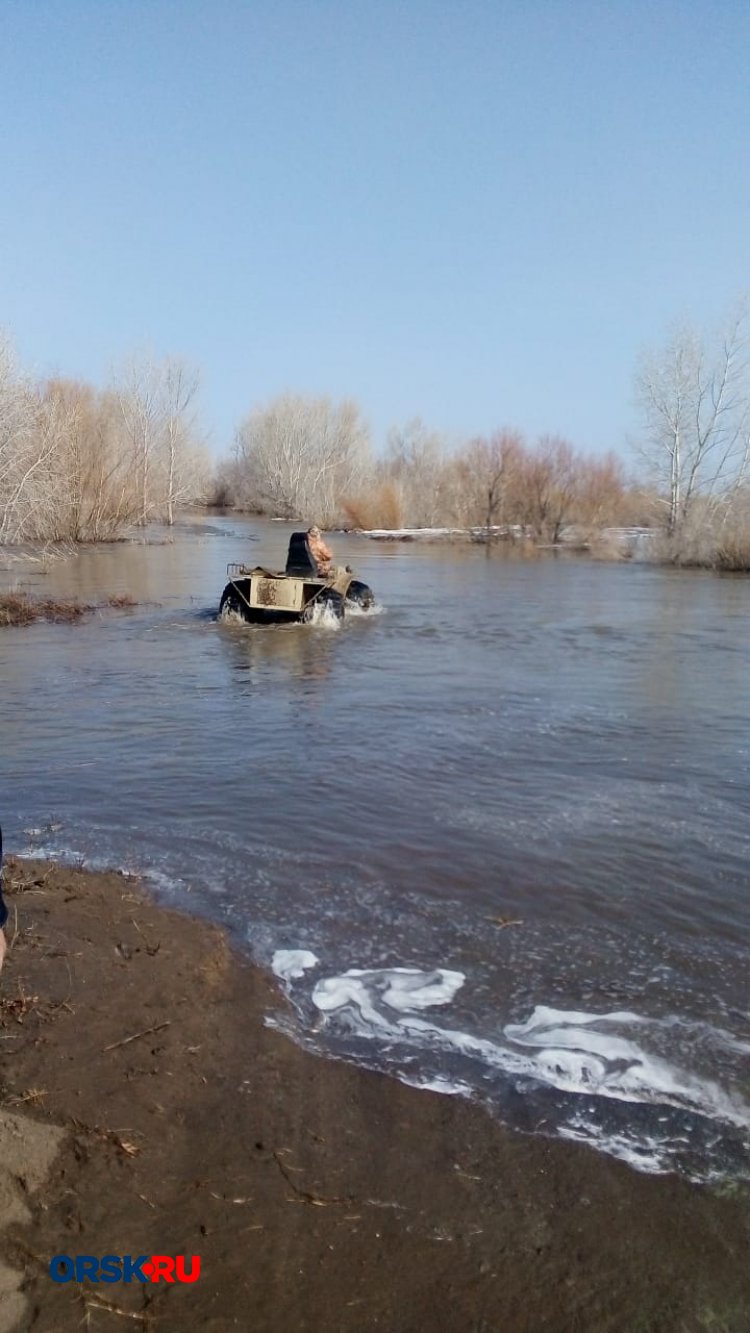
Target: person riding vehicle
[(320, 553)]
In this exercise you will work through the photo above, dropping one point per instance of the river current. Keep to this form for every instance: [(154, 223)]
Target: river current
[(492, 837)]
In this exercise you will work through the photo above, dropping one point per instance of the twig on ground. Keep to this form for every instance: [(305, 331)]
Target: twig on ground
[(147, 1032), (15, 929), (33, 1095), (18, 1007), (108, 1135), (97, 1302), (304, 1196), (151, 949)]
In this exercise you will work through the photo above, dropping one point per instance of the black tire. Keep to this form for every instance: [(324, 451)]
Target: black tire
[(360, 594), (329, 600), (334, 602), (231, 603)]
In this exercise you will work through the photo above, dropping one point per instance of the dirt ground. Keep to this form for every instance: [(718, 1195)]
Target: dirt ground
[(146, 1109)]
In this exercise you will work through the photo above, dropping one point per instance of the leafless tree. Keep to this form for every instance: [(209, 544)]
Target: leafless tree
[(81, 465), (25, 451), (91, 488), (483, 481), (415, 463), (157, 410), (139, 393), (548, 487), (694, 397), (179, 384), (300, 455)]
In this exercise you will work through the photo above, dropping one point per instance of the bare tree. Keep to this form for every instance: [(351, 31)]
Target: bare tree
[(91, 487), (482, 482), (416, 463), (25, 452), (141, 400), (548, 487), (157, 410), (602, 495), (180, 383), (694, 397), (79, 464), (299, 456)]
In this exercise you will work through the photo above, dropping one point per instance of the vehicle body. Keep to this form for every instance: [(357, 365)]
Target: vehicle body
[(271, 597)]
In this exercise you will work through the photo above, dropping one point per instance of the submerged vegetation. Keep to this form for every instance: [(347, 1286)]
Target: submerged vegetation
[(80, 464), (20, 608)]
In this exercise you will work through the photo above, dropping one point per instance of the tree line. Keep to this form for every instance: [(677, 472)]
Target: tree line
[(82, 464), (303, 457), (299, 457)]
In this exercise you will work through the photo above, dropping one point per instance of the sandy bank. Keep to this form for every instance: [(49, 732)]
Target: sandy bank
[(168, 1119)]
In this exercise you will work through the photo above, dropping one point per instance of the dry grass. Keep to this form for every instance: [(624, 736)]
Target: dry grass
[(20, 608), (733, 553), (121, 601), (698, 546), (14, 1008), (382, 509), (606, 546)]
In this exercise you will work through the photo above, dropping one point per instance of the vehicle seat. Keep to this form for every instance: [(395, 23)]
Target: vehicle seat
[(299, 560)]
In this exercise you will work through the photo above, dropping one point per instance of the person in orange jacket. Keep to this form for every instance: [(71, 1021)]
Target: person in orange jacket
[(319, 551)]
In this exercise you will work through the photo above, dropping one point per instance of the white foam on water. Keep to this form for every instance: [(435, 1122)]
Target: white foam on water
[(163, 883), (403, 989), (644, 1155), (447, 1087), (569, 1050), (595, 1057), (714, 1035), (575, 1057), (64, 854), (289, 964), (364, 612)]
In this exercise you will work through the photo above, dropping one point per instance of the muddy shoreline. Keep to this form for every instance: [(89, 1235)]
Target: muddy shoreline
[(318, 1196)]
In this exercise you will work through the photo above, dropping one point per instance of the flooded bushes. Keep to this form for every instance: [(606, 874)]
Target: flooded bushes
[(20, 608), (707, 540), (80, 464), (733, 554), (499, 483)]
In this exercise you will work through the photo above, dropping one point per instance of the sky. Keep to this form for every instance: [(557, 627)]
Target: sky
[(478, 212)]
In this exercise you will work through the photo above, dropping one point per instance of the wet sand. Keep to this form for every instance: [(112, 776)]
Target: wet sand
[(159, 1114)]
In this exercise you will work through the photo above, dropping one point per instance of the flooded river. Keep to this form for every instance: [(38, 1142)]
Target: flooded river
[(493, 837)]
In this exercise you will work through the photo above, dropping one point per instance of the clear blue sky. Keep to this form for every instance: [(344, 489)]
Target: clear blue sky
[(476, 211)]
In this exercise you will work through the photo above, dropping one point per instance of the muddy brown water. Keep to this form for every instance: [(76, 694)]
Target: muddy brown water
[(505, 817)]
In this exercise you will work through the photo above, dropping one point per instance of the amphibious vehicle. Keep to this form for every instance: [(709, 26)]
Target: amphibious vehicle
[(271, 597)]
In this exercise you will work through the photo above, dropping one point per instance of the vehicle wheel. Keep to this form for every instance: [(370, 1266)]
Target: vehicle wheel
[(360, 594), (329, 600), (334, 602), (231, 603)]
